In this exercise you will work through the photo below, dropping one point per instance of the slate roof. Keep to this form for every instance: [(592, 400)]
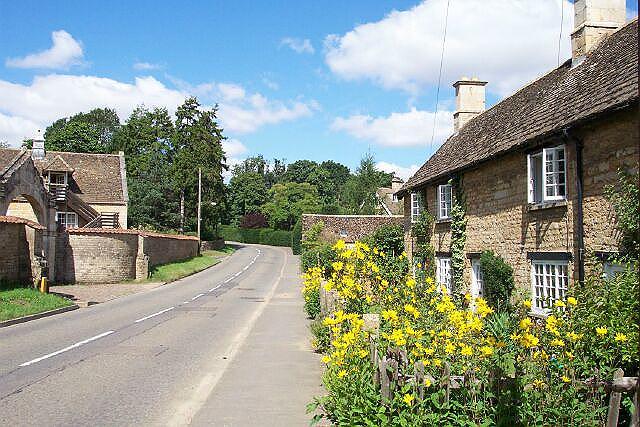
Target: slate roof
[(96, 178), (607, 79)]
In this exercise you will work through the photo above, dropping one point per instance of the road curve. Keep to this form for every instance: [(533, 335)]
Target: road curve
[(227, 346)]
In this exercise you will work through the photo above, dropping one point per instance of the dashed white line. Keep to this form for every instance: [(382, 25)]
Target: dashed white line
[(154, 314), (196, 297), (71, 347)]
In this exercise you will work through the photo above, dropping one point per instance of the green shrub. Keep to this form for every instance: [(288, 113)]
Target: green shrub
[(387, 238), (625, 198), (321, 334), (497, 280), (230, 233), (296, 238), (263, 236), (250, 235), (275, 237)]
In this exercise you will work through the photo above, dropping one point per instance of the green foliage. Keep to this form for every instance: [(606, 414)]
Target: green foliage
[(287, 202), (179, 269), (625, 198), (90, 132), (360, 190), (388, 238), (424, 251), (296, 238), (300, 171), (19, 302), (321, 333), (458, 239), (497, 280), (247, 193), (315, 251), (262, 236)]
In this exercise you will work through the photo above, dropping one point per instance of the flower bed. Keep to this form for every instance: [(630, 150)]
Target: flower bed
[(440, 359)]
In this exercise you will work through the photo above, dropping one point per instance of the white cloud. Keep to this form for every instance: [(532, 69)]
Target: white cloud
[(25, 108), (233, 148), (401, 171), (413, 128), (65, 52), (146, 66), (298, 45), (507, 42)]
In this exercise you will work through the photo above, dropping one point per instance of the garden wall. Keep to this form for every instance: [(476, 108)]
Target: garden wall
[(20, 250), (114, 255), (349, 228)]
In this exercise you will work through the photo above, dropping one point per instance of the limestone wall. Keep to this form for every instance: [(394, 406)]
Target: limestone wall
[(20, 251), (162, 249), (349, 228)]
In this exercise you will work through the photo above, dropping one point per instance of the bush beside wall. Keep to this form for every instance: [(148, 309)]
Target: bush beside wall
[(263, 236)]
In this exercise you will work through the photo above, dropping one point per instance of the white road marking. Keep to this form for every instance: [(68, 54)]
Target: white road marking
[(154, 314), (185, 302), (196, 297), (187, 409), (71, 347)]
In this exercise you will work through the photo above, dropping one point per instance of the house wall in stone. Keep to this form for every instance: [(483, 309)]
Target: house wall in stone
[(162, 250), (500, 219), (356, 227), (20, 253)]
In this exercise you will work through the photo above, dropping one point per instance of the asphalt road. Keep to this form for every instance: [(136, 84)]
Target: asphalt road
[(228, 346)]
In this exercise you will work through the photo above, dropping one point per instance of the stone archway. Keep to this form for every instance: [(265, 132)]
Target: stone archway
[(21, 179)]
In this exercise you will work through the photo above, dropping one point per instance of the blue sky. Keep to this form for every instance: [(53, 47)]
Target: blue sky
[(307, 79)]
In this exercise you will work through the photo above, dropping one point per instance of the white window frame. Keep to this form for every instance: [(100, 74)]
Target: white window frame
[(443, 272), (549, 283), (477, 279), (555, 174), (66, 216), (611, 269), (416, 206), (444, 212)]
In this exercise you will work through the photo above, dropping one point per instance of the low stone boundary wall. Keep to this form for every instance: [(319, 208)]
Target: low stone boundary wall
[(211, 245), (349, 228), (21, 250), (113, 255)]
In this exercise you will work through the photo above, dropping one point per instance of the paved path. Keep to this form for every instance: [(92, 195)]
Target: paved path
[(84, 295), (225, 347)]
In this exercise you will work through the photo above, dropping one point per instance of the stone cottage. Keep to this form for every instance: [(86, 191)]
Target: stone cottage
[(86, 190), (532, 169)]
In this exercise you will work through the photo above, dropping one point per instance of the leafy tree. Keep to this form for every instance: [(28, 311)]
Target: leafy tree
[(146, 141), (4, 144), (247, 193), (287, 202), (91, 132), (360, 189), (299, 171), (198, 145)]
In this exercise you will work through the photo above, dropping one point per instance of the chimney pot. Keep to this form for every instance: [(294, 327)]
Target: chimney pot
[(593, 20), (37, 148), (470, 100)]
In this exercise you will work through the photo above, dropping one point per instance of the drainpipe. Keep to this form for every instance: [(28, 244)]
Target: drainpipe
[(579, 227)]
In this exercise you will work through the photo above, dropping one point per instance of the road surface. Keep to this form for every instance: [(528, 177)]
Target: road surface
[(228, 346)]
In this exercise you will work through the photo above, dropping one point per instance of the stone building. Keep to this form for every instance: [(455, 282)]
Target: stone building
[(532, 169), (86, 190), (388, 202)]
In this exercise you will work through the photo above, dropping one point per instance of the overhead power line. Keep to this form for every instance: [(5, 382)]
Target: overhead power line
[(444, 40)]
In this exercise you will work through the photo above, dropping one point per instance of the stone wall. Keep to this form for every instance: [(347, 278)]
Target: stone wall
[(349, 228), (113, 255), (500, 219), (21, 252)]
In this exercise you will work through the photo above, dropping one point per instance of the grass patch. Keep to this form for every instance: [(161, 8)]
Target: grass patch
[(177, 270), (19, 302)]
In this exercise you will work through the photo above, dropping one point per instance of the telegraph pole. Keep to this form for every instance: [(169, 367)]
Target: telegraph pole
[(199, 203)]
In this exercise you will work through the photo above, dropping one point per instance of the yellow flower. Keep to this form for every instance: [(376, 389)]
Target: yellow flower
[(560, 303), (557, 343), (526, 303), (525, 323), (326, 359), (538, 383), (340, 245), (449, 348), (342, 373), (569, 355), (572, 301), (437, 362), (412, 310), (601, 330), (408, 399), (565, 379), (621, 337), (427, 382), (363, 353), (466, 350), (390, 315), (486, 350), (529, 340)]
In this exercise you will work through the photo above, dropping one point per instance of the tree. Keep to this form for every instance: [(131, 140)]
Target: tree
[(288, 201), (198, 145), (247, 193), (91, 132), (360, 189), (146, 141), (330, 178), (299, 171)]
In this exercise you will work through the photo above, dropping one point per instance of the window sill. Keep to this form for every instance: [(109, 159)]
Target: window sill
[(443, 221), (531, 207)]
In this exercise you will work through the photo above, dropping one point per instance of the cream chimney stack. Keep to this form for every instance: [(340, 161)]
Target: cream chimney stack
[(594, 19), (470, 100)]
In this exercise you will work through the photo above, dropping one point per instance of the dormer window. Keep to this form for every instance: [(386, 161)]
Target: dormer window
[(547, 175), (58, 185)]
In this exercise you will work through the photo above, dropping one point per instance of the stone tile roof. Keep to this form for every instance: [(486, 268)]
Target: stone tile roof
[(57, 165), (18, 220), (607, 79), (96, 178)]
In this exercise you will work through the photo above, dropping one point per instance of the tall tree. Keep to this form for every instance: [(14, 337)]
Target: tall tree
[(360, 190), (299, 171), (91, 132), (247, 193), (287, 202), (198, 143)]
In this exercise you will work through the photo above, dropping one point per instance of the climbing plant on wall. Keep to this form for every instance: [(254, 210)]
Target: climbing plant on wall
[(424, 252), (458, 235)]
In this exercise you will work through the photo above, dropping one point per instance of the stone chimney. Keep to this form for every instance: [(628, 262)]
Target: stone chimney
[(594, 19), (396, 184), (37, 149), (469, 101)]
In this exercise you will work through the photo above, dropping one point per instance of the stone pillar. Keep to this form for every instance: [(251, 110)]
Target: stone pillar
[(142, 260), (470, 100)]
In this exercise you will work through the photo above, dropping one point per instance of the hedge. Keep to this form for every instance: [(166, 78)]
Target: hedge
[(263, 236)]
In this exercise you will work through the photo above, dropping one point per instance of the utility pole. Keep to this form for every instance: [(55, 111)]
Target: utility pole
[(199, 203)]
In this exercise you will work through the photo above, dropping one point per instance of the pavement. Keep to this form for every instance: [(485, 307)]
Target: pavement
[(228, 346), (86, 295)]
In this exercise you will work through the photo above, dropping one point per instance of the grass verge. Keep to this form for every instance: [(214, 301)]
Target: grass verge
[(177, 270), (19, 302)]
